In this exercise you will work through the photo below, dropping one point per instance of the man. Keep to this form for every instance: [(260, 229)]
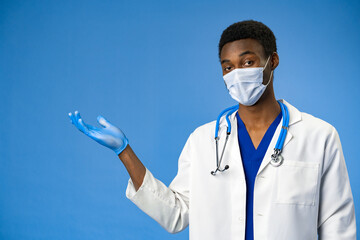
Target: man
[(306, 195)]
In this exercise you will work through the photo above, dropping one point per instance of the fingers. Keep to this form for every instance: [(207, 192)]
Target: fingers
[(72, 119), (103, 122), (83, 127), (86, 128), (78, 122)]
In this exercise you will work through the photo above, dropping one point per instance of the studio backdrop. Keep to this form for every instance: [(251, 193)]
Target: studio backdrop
[(152, 69)]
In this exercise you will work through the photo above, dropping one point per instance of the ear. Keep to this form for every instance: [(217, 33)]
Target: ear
[(274, 60)]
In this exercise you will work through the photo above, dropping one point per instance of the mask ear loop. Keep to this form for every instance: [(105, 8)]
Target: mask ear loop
[(270, 78), (266, 63), (270, 73)]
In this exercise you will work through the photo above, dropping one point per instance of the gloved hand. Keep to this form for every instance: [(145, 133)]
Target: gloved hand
[(109, 136)]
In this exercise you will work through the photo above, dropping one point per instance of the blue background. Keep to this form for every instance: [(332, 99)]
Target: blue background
[(151, 68)]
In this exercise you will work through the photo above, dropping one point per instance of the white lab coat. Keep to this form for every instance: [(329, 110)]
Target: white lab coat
[(309, 195)]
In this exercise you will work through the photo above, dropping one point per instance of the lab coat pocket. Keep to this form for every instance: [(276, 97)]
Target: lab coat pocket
[(297, 182)]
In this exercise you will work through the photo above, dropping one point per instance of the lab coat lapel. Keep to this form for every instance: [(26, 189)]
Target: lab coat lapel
[(270, 150), (295, 116), (235, 154), (233, 143)]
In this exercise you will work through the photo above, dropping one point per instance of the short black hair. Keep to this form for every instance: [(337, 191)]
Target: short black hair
[(249, 29)]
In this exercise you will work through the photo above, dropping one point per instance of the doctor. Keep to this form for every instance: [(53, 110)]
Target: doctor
[(240, 192)]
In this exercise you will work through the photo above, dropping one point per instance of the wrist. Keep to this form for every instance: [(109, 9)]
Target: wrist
[(118, 151)]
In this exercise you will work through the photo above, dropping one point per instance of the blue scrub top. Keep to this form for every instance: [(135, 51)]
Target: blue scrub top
[(252, 159)]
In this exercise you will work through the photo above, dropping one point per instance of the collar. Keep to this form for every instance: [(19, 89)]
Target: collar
[(295, 115)]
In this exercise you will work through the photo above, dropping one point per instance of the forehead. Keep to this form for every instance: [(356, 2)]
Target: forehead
[(237, 47)]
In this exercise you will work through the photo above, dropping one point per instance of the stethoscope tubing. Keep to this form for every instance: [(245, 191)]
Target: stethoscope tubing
[(280, 142), (227, 120), (276, 158)]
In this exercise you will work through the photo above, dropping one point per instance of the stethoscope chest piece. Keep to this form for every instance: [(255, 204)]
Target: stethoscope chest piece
[(276, 160)]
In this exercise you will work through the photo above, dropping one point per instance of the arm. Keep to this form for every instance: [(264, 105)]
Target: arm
[(167, 205), (336, 207), (133, 165)]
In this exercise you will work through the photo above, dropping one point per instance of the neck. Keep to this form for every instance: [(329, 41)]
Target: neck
[(261, 114)]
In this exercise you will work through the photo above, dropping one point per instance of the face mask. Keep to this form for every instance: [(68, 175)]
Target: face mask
[(245, 84)]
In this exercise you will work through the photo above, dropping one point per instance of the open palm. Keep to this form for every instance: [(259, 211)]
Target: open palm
[(108, 135)]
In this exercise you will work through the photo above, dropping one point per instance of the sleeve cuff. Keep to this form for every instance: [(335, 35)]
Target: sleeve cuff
[(161, 203), (131, 193)]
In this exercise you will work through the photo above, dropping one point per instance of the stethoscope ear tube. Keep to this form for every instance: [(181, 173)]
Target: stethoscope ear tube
[(218, 162), (230, 110), (233, 108)]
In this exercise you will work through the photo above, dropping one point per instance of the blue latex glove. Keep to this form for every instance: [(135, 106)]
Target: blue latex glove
[(109, 136)]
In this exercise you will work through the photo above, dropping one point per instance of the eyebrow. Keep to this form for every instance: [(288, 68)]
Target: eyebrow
[(246, 52), (240, 55)]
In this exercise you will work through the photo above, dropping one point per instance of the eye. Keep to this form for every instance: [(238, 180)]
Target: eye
[(248, 62), (227, 68)]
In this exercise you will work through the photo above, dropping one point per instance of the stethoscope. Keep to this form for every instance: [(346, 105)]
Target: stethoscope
[(276, 158)]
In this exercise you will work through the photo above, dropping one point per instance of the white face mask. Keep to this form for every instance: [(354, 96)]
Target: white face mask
[(245, 84)]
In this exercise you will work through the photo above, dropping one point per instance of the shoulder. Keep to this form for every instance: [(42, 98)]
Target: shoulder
[(303, 122), (316, 124), (206, 130), (320, 131), (309, 130)]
